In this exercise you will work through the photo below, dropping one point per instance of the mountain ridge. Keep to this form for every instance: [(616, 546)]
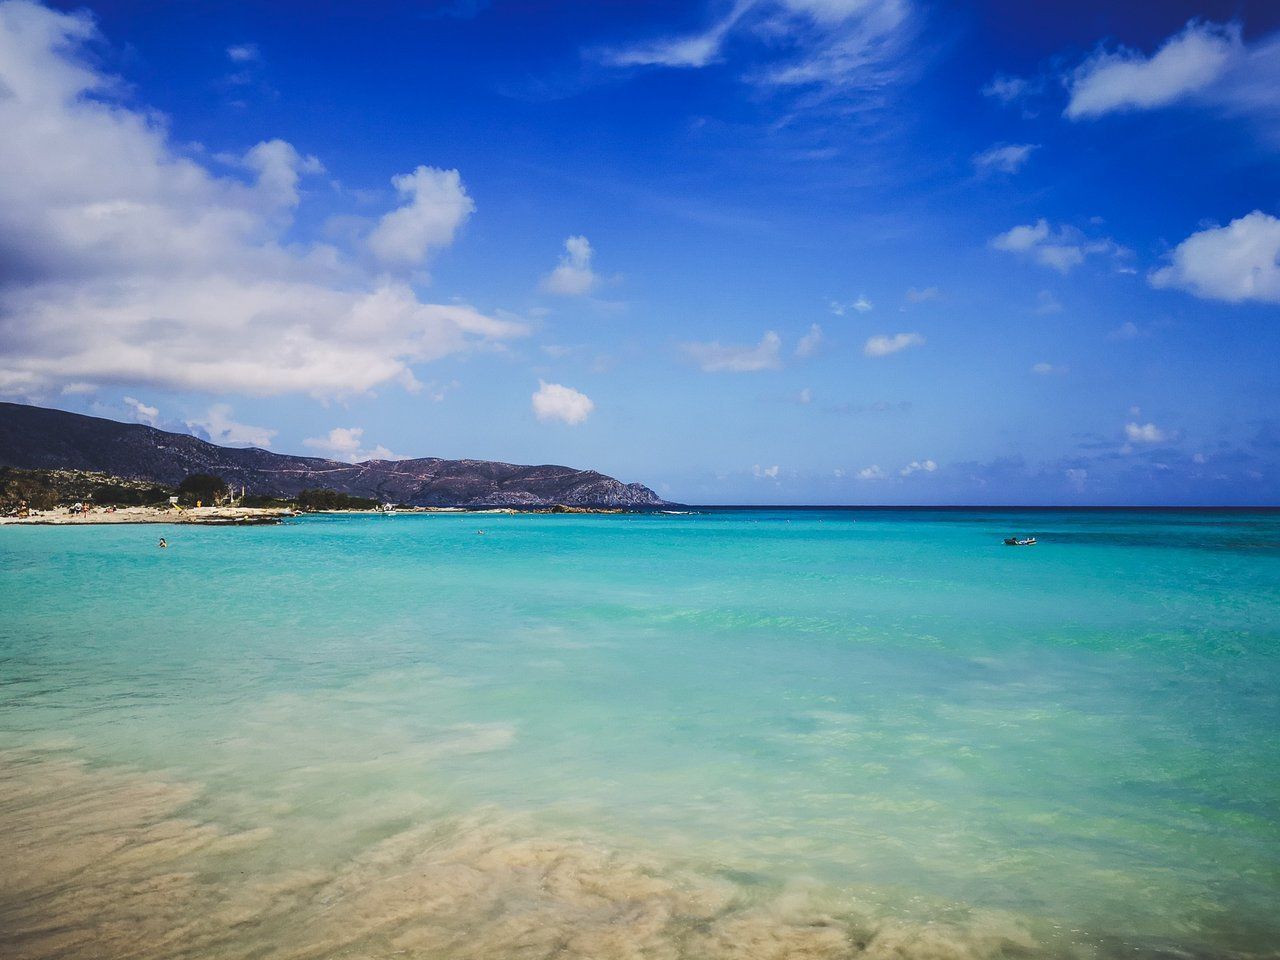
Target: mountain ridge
[(33, 438)]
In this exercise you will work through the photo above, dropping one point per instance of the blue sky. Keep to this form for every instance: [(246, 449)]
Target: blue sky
[(763, 251)]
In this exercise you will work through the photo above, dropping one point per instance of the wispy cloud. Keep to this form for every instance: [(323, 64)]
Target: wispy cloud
[(882, 344), (1004, 157), (716, 357), (808, 344), (244, 53), (1063, 248), (823, 47)]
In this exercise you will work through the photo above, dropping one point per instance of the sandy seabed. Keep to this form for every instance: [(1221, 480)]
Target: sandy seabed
[(108, 864)]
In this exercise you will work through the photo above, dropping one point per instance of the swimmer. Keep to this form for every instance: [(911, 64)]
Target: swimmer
[(479, 533), (163, 543)]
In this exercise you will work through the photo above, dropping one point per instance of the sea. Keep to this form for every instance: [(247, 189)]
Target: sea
[(728, 733)]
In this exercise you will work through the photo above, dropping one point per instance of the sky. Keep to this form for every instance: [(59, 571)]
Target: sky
[(742, 251)]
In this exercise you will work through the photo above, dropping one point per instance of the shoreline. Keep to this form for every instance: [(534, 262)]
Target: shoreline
[(212, 516)]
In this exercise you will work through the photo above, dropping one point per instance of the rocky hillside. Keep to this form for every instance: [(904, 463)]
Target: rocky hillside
[(40, 438)]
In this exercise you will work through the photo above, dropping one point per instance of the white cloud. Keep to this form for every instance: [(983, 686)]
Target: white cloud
[(765, 473), (824, 46), (1144, 433), (872, 472), (923, 295), (862, 305), (1124, 79), (918, 466), (574, 276), (1048, 369), (1077, 478), (142, 412), (1062, 249), (279, 167), (1126, 331), (552, 401), (1235, 263), (1004, 157), (810, 342), (882, 344), (126, 261), (244, 53), (436, 205), (805, 395), (1007, 89), (347, 443), (715, 357), (218, 426)]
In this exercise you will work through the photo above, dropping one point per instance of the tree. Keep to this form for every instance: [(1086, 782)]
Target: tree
[(202, 487)]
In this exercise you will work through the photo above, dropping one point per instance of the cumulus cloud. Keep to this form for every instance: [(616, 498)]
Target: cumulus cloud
[(765, 473), (716, 357), (280, 167), (1004, 157), (1076, 478), (435, 205), (574, 276), (805, 396), (141, 412), (872, 472), (122, 260), (219, 426), (347, 443), (1144, 433), (553, 401), (1236, 263), (1125, 79), (810, 342), (918, 466), (1062, 249), (882, 344), (822, 46)]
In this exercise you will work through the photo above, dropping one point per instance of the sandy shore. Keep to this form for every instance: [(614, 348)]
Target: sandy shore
[(206, 515)]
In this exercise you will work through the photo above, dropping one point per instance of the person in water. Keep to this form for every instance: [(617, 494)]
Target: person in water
[(163, 542)]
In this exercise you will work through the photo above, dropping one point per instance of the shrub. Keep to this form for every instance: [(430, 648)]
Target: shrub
[(204, 487), (333, 500)]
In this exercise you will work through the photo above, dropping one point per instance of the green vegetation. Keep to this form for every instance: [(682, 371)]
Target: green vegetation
[(259, 501), (26, 488), (332, 500), (203, 488), (47, 489), (115, 494)]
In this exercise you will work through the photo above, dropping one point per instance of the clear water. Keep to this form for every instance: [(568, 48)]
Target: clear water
[(746, 733)]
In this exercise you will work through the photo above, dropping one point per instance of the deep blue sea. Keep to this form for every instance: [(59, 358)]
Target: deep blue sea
[(748, 733)]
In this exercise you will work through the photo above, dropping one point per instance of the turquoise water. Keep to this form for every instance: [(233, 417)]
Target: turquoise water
[(739, 733)]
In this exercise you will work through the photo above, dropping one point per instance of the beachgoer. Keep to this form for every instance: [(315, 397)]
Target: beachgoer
[(163, 543)]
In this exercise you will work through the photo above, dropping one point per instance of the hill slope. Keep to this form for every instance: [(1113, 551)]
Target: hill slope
[(40, 438)]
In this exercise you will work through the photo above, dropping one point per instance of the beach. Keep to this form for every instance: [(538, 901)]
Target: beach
[(112, 515), (737, 734)]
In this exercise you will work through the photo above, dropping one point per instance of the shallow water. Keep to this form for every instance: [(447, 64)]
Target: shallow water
[(734, 734)]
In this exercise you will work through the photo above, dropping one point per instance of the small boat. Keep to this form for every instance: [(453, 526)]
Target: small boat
[(1016, 542)]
